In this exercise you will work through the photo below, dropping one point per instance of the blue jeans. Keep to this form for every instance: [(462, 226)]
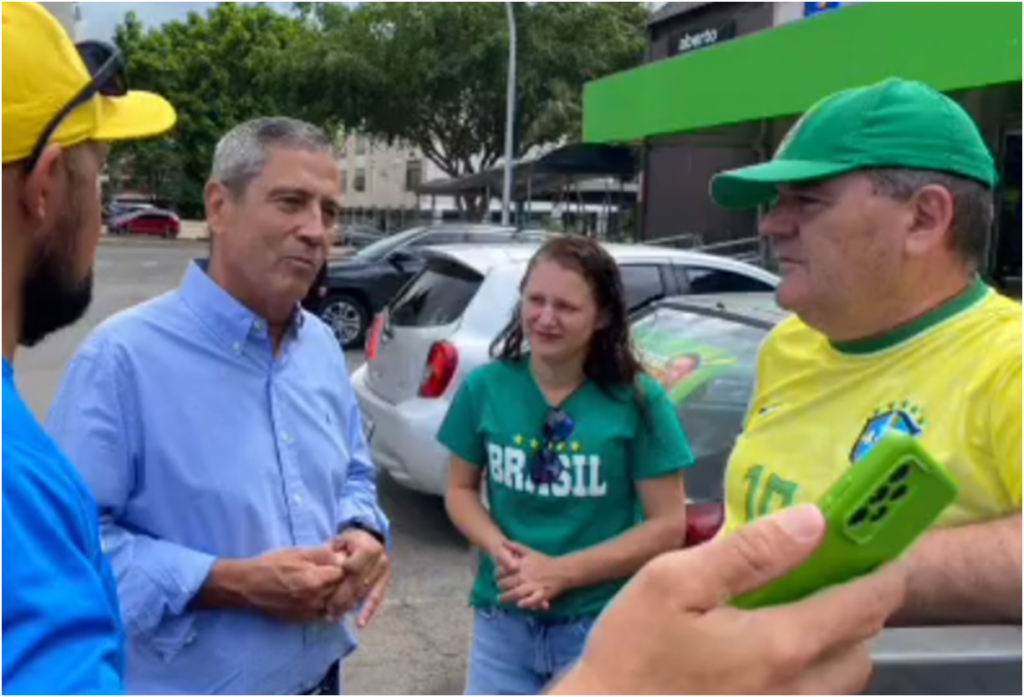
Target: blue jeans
[(514, 654)]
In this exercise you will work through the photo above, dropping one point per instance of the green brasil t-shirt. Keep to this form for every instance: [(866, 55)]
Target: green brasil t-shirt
[(496, 422)]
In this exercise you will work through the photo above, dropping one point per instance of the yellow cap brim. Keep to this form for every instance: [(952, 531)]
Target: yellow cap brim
[(134, 116)]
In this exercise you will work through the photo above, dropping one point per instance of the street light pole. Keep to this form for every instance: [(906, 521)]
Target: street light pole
[(510, 118)]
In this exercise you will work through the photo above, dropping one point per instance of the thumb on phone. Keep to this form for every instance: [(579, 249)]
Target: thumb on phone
[(755, 555)]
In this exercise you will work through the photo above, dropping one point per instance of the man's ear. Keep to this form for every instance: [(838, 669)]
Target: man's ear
[(934, 213), (39, 192), (217, 201)]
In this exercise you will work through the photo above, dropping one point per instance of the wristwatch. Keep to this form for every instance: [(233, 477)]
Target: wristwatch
[(365, 527)]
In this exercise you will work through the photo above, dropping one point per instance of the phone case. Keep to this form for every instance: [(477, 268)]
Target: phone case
[(875, 513)]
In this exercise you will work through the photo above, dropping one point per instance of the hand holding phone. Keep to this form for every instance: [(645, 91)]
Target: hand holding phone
[(875, 513)]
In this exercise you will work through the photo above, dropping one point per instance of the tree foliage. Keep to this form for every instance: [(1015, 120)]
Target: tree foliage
[(435, 74), (216, 70), (432, 75)]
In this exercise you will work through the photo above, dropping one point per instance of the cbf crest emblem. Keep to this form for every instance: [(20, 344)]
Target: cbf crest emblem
[(904, 417)]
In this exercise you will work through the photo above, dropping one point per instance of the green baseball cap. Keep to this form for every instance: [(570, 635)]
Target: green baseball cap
[(895, 124)]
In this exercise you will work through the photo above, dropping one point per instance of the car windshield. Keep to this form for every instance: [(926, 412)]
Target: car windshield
[(378, 251)]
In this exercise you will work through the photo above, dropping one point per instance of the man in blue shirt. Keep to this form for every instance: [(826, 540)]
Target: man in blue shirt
[(61, 631), (219, 432)]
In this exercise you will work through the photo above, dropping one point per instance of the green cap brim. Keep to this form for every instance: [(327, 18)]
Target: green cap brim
[(748, 188)]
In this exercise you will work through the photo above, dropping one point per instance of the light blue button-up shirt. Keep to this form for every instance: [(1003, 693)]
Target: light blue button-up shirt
[(200, 445)]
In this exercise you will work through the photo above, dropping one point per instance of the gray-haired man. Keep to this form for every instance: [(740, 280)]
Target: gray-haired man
[(219, 432)]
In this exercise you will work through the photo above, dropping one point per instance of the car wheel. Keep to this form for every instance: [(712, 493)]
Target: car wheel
[(347, 318)]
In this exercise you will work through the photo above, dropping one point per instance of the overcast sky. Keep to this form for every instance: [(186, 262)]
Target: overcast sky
[(100, 18)]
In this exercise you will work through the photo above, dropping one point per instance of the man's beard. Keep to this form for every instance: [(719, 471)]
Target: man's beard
[(52, 298)]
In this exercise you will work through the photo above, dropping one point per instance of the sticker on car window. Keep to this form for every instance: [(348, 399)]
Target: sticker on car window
[(681, 366)]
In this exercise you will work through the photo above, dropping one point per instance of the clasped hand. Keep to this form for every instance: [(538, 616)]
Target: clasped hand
[(528, 579), (309, 585)]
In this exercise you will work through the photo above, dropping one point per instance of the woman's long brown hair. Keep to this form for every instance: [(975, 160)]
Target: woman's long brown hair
[(611, 361)]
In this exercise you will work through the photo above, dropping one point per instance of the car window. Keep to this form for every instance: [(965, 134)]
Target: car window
[(486, 237), (703, 281), (380, 250), (438, 296), (437, 239), (643, 284), (707, 366)]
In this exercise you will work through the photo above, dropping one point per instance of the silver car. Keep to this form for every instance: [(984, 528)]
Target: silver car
[(440, 327)]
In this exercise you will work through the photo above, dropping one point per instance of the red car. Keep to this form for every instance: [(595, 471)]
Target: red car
[(151, 222)]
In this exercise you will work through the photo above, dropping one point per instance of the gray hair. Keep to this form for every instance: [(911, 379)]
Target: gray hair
[(242, 153), (974, 211)]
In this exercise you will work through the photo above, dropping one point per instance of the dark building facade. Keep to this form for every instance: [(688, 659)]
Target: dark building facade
[(677, 169)]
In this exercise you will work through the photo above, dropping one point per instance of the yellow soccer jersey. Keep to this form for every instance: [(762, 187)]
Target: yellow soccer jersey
[(953, 379)]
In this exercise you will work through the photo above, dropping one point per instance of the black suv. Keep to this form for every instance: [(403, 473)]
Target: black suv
[(351, 290)]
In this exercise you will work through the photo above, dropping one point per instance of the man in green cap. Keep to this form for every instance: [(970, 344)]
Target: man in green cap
[(61, 104), (879, 206)]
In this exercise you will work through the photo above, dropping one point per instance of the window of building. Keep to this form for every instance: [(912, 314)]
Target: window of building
[(413, 174), (359, 182), (362, 146)]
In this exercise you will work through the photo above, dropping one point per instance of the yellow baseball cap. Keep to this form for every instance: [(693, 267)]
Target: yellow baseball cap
[(47, 84)]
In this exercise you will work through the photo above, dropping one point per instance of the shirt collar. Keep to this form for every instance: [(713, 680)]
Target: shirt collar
[(234, 323)]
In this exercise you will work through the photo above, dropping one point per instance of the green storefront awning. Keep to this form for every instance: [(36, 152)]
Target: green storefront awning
[(782, 72)]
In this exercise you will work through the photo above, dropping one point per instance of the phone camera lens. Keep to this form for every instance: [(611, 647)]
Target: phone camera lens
[(859, 518), (900, 475), (899, 493), (881, 496), (880, 515)]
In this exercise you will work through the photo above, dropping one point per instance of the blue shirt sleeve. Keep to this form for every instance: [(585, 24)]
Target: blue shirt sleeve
[(61, 631), (93, 420)]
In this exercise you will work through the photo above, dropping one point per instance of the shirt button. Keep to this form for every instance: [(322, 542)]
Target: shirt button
[(298, 500), (259, 327), (238, 347), (286, 437)]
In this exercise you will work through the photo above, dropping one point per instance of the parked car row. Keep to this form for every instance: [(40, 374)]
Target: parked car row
[(359, 286)]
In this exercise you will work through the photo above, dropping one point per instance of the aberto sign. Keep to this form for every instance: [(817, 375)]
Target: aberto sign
[(695, 39)]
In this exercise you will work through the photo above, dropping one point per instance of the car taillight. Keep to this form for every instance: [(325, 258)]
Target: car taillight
[(703, 522), (441, 364), (373, 338)]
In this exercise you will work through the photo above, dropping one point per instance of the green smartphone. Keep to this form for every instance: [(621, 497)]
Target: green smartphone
[(875, 513)]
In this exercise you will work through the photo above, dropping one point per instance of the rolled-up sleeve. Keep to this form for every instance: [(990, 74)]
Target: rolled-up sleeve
[(359, 498), (94, 419)]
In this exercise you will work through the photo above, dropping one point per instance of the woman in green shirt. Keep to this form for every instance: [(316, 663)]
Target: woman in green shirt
[(582, 455)]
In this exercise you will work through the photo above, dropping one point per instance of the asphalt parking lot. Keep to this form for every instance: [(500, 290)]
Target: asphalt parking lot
[(418, 644)]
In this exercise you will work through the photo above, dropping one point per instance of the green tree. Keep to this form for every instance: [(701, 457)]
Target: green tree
[(434, 74), (217, 71)]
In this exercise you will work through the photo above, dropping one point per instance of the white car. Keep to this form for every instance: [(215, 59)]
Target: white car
[(440, 328)]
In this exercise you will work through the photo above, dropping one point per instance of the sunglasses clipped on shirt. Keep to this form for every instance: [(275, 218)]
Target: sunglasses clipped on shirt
[(546, 466), (108, 78)]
